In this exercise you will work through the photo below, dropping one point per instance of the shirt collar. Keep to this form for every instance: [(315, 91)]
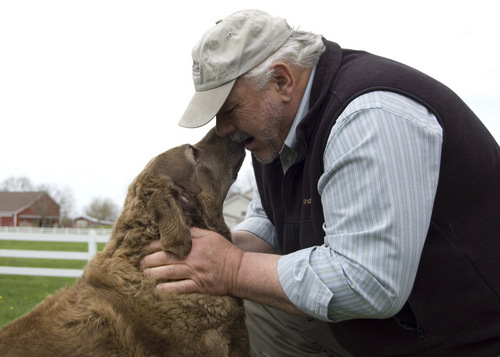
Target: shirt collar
[(288, 153)]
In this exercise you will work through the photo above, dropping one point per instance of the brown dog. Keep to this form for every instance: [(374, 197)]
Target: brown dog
[(112, 310)]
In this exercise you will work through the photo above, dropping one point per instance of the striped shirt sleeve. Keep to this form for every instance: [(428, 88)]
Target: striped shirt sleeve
[(381, 171), (256, 222)]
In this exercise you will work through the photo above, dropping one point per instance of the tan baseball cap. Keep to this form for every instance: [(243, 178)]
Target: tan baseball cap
[(234, 46)]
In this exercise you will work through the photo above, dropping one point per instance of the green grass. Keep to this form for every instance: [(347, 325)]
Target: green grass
[(20, 294), (29, 245), (66, 247)]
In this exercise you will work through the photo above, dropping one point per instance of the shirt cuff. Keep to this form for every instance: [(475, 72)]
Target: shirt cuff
[(302, 285), (261, 227)]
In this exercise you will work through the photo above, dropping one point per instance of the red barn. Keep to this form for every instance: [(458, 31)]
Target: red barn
[(35, 209)]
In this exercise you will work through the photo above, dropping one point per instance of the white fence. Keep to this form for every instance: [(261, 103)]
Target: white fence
[(89, 236)]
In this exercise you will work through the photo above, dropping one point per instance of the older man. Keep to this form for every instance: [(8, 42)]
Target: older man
[(374, 229)]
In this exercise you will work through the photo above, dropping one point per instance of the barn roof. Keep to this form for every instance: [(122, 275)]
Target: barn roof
[(17, 201)]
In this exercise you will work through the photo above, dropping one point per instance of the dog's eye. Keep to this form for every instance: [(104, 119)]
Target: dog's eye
[(195, 151)]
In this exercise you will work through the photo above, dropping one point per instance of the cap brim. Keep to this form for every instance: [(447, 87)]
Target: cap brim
[(205, 105)]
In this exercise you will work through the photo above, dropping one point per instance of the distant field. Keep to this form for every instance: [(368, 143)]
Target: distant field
[(19, 294)]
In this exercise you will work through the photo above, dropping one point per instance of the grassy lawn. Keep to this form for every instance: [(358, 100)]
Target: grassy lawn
[(19, 294)]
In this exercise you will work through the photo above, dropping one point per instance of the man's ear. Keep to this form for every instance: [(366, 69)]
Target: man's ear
[(174, 230), (284, 81)]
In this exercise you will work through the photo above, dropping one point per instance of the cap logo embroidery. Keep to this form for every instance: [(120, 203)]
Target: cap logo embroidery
[(196, 71)]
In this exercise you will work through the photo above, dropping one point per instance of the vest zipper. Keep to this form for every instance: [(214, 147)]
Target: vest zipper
[(410, 325)]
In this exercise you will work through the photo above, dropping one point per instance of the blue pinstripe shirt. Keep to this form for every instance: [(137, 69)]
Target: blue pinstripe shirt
[(381, 171)]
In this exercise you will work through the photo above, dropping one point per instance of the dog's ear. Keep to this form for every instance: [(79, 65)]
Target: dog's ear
[(174, 229)]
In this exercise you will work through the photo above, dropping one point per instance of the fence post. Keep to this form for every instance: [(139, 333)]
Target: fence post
[(92, 243)]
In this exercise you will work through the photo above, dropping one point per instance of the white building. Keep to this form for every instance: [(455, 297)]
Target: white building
[(235, 208)]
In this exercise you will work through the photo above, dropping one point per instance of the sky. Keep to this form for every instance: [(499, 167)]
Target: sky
[(91, 90)]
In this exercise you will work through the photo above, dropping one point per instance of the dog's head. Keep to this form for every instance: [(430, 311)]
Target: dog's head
[(186, 187)]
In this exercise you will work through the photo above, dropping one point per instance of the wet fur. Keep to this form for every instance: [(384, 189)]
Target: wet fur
[(112, 310)]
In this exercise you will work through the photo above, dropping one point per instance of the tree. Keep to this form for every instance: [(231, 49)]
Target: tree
[(64, 197), (102, 209), (17, 184)]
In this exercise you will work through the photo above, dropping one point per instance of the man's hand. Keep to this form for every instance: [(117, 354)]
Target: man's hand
[(215, 266), (211, 267)]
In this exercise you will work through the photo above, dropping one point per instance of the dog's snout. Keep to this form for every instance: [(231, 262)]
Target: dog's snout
[(222, 146)]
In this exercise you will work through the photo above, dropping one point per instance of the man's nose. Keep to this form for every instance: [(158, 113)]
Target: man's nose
[(224, 126)]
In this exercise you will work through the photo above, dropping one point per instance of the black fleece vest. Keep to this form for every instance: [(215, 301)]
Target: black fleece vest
[(455, 299)]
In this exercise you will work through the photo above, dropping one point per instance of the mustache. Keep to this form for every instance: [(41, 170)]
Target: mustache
[(239, 137)]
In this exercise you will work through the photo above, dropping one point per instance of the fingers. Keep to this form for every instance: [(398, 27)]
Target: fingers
[(179, 287), (177, 276), (166, 266), (157, 259), (154, 259), (169, 272), (199, 272)]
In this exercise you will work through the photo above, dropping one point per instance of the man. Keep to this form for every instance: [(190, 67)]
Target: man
[(375, 226)]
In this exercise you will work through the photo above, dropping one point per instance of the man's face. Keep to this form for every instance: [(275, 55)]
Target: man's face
[(254, 118)]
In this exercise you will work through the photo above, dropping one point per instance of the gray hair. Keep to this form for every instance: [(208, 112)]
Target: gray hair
[(302, 50)]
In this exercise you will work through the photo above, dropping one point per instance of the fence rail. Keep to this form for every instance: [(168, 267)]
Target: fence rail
[(89, 236), (56, 231)]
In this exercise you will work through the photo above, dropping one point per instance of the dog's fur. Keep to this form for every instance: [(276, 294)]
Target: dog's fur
[(113, 310)]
